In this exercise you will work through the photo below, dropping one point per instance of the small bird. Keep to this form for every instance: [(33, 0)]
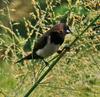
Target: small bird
[(49, 42)]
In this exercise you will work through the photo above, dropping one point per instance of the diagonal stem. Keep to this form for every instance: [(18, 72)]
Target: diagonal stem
[(57, 59)]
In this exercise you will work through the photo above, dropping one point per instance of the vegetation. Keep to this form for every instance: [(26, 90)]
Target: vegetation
[(74, 73)]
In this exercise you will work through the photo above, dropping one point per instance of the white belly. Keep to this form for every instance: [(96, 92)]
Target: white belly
[(48, 50)]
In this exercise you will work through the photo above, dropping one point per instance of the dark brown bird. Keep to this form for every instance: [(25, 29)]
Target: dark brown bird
[(49, 43)]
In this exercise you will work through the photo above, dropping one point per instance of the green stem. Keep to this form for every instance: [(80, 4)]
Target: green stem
[(85, 30), (56, 60)]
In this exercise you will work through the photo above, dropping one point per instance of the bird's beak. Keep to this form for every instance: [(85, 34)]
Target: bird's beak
[(68, 31)]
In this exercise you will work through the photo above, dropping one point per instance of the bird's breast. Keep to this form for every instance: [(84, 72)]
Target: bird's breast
[(48, 50)]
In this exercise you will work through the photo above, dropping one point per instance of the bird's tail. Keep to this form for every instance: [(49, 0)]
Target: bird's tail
[(25, 58)]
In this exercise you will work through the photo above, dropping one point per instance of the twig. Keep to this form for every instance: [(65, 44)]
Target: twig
[(57, 59)]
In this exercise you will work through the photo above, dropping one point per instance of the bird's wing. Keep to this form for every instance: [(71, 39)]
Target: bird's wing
[(41, 42)]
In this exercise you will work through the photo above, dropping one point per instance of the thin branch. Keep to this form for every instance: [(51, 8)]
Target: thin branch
[(69, 88), (57, 59), (85, 30)]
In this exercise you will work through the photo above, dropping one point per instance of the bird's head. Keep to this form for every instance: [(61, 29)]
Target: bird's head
[(62, 28)]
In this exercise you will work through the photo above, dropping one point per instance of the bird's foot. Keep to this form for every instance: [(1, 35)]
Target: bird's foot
[(67, 48), (59, 51), (46, 63)]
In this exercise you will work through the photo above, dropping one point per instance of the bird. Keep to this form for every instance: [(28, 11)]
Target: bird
[(49, 42)]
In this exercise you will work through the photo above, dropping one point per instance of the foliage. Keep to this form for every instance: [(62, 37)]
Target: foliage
[(76, 74)]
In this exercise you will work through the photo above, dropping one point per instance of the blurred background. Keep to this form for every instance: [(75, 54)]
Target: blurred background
[(22, 22)]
